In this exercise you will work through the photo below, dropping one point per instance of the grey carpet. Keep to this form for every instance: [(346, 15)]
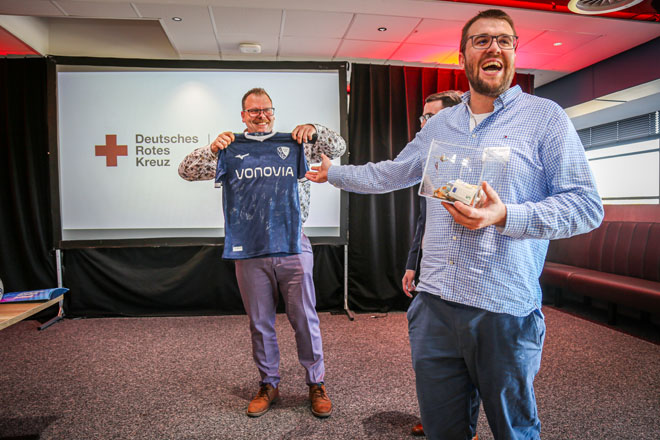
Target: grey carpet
[(192, 378)]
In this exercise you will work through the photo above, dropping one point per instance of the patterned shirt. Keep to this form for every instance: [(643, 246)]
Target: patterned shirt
[(201, 163), (547, 187), (259, 178)]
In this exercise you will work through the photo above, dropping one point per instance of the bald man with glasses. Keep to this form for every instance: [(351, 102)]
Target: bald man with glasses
[(262, 277)]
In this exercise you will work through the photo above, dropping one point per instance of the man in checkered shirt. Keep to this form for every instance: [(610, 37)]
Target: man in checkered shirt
[(476, 323)]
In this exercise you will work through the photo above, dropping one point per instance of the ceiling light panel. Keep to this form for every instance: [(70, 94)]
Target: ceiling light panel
[(95, 9), (577, 59), (424, 53), (527, 35), (109, 38), (366, 49), (261, 23), (317, 23), (365, 27), (437, 32), (192, 35), (40, 8), (544, 43), (531, 60), (315, 48)]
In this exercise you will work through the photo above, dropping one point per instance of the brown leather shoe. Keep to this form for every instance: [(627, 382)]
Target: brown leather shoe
[(417, 430), (261, 403), (321, 404)]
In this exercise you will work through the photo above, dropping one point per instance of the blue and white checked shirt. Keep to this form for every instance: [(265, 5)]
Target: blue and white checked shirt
[(548, 189)]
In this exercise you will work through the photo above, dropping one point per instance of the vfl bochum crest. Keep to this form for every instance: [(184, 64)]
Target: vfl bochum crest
[(283, 152)]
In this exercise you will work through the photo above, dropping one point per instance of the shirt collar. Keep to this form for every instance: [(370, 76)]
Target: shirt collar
[(503, 100)]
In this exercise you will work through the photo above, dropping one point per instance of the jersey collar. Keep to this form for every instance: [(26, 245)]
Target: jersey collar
[(260, 136)]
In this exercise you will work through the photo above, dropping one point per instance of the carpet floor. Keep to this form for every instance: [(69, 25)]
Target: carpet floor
[(192, 378)]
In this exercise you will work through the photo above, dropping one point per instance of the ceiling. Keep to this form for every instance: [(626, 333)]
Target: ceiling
[(553, 42)]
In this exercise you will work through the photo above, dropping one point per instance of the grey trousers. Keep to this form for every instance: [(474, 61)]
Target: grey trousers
[(260, 280)]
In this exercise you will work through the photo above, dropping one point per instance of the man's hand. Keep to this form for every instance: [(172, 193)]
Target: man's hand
[(319, 173), (303, 133), (222, 141), (491, 212), (408, 282)]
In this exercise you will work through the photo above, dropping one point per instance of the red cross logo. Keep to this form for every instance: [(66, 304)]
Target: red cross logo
[(111, 150)]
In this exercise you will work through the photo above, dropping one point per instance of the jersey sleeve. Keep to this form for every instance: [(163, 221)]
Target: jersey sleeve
[(221, 168), (302, 163)]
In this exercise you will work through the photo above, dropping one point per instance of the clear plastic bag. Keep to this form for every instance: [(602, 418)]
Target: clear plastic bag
[(454, 172)]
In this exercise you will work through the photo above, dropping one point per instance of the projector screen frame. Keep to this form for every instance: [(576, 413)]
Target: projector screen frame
[(149, 64)]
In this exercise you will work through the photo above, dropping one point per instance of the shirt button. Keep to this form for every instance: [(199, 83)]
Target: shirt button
[(454, 237), (474, 135), (451, 262)]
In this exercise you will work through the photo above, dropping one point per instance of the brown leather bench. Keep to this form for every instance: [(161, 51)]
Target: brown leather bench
[(619, 262)]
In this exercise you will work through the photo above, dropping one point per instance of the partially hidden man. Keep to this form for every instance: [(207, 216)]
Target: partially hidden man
[(265, 204)]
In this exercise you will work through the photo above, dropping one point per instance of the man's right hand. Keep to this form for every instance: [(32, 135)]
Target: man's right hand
[(222, 141), (408, 282)]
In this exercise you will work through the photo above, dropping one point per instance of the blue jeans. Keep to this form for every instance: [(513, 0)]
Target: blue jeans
[(457, 349)]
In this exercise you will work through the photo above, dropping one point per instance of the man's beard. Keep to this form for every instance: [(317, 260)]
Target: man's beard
[(484, 88)]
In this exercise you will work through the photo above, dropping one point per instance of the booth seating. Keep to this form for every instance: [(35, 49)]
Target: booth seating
[(619, 262)]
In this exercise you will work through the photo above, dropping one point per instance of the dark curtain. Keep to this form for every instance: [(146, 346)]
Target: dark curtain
[(27, 261), (385, 103), (174, 281)]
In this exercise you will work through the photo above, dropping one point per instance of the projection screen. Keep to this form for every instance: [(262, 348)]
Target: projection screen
[(123, 127)]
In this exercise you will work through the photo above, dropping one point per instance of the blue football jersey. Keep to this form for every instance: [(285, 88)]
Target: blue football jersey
[(259, 177)]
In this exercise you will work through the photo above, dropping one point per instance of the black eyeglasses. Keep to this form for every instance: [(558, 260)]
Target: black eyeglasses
[(425, 117), (484, 41), (254, 112)]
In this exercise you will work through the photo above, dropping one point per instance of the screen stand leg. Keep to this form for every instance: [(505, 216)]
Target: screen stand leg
[(350, 314), (60, 313)]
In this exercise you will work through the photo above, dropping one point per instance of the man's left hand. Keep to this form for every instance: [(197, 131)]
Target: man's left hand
[(491, 212), (303, 133), (319, 173)]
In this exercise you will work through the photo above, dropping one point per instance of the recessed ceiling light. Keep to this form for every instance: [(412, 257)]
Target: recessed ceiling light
[(382, 29), (177, 18), (558, 43)]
